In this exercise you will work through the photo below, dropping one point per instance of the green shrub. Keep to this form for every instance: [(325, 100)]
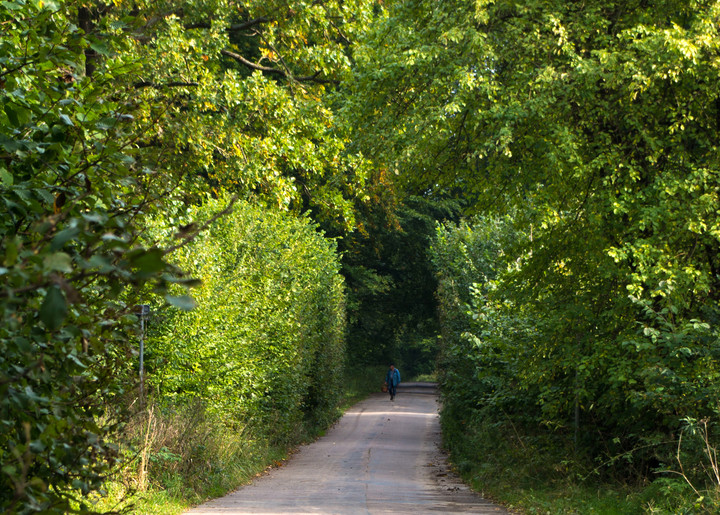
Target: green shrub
[(71, 195), (590, 389), (264, 346)]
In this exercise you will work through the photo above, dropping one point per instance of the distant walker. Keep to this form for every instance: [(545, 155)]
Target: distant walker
[(392, 378)]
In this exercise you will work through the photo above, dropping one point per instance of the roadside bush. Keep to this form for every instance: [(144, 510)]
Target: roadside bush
[(71, 195), (264, 347), (591, 387), (476, 362)]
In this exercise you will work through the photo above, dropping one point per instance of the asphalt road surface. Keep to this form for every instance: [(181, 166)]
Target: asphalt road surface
[(381, 457)]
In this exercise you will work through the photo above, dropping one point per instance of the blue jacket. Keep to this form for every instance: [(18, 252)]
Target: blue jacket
[(394, 378)]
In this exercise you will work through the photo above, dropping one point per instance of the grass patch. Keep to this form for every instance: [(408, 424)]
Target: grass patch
[(425, 378), (565, 499), (155, 501), (170, 491)]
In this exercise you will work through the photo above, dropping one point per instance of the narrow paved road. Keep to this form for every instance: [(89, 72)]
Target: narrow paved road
[(381, 457)]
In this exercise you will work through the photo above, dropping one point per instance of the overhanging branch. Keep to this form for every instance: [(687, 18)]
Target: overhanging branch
[(276, 71), (173, 84), (251, 65), (190, 237), (232, 28)]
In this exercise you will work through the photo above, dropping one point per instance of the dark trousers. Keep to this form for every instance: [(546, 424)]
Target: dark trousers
[(392, 389)]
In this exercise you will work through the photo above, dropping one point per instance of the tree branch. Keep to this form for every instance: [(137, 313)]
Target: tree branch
[(13, 70), (187, 239), (173, 84), (232, 28), (315, 78), (254, 66)]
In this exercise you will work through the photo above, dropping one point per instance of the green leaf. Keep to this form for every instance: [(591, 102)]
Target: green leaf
[(54, 308), (6, 177), (11, 252), (18, 114), (66, 120), (12, 116), (58, 261), (12, 6), (100, 262), (100, 47), (149, 262), (106, 123), (63, 237), (9, 144), (184, 302)]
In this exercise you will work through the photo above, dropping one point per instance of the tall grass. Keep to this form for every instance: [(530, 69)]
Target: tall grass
[(179, 457)]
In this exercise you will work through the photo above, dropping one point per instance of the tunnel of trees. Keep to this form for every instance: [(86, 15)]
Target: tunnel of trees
[(518, 196)]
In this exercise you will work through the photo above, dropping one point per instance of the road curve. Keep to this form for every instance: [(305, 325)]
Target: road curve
[(381, 457)]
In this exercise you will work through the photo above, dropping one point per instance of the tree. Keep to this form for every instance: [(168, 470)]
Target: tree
[(391, 284), (235, 97), (594, 124)]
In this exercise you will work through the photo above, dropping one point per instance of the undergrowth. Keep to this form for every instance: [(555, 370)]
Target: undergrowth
[(360, 382), (539, 474)]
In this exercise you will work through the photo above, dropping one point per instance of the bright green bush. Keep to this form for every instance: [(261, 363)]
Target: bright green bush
[(265, 344)]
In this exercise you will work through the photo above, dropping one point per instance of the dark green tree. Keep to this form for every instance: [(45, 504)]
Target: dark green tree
[(73, 197), (391, 282), (595, 125)]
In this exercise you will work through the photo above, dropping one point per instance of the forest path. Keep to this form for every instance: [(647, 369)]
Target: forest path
[(381, 457)]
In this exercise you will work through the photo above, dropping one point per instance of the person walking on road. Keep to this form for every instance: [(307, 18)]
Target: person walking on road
[(392, 378)]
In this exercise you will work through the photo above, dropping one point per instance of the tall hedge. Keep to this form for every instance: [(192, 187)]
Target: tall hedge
[(265, 344)]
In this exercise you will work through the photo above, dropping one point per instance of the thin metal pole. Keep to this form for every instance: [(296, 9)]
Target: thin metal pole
[(576, 422), (142, 351)]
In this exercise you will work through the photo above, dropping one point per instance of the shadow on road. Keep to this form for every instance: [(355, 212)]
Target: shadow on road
[(418, 387)]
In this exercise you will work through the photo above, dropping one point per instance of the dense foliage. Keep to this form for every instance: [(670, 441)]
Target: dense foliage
[(504, 379), (595, 125), (236, 96), (72, 196), (580, 307), (109, 113), (265, 345), (391, 284)]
